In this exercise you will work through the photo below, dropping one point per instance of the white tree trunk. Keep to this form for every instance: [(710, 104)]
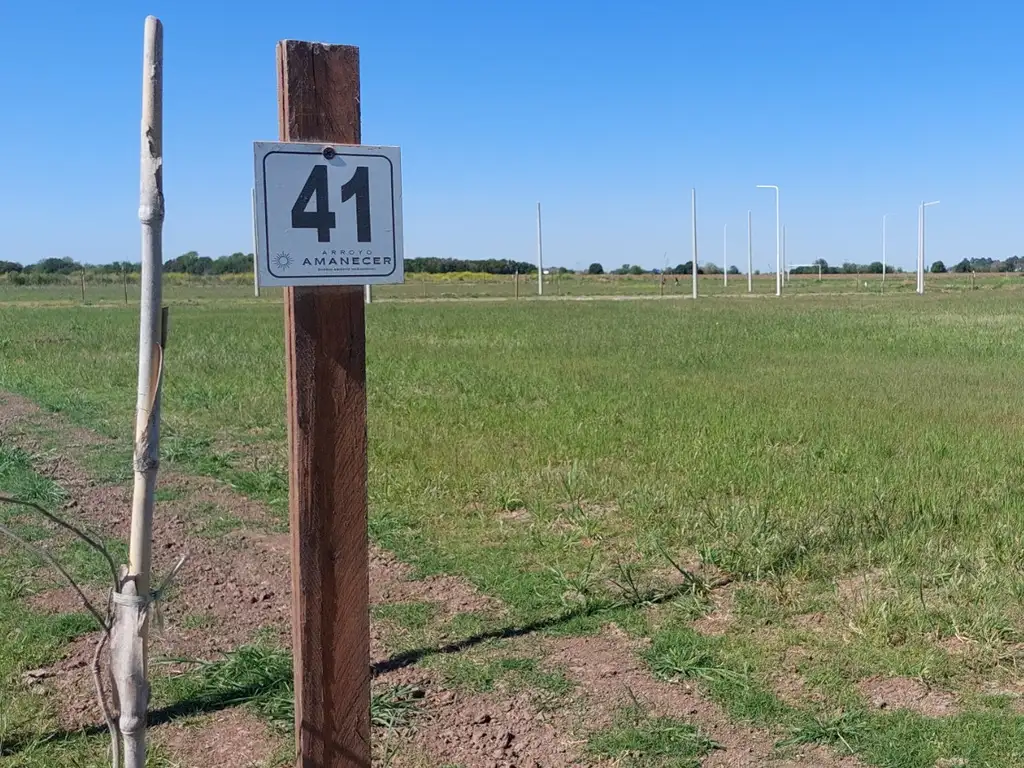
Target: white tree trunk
[(131, 605), (128, 637)]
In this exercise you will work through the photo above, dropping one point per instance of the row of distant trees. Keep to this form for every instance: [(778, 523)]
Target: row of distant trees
[(716, 269), (192, 263), (188, 263)]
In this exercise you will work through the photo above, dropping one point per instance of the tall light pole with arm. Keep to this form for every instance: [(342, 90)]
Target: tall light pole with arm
[(920, 246), (884, 217), (750, 255), (725, 257), (778, 239), (693, 205)]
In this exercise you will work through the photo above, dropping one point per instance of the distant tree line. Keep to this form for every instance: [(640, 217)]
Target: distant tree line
[(436, 266), (192, 263), (1012, 264), (847, 268), (189, 263)]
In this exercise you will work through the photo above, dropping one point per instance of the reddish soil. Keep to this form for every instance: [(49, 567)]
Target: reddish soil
[(607, 668), (391, 582), (239, 584), (229, 738), (719, 619), (495, 732), (907, 693)]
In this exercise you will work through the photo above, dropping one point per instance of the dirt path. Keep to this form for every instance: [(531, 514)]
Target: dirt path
[(237, 586)]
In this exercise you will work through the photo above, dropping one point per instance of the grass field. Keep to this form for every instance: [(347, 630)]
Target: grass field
[(850, 462), (418, 287)]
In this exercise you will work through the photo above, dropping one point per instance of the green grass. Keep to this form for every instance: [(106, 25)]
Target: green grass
[(29, 640), (853, 455), (483, 673), (637, 740), (259, 676), (213, 522)]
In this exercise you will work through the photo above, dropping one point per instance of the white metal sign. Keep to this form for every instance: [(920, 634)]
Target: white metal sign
[(328, 214)]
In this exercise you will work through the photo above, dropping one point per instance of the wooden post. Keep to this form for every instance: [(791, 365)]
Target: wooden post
[(318, 99), (424, 285), (124, 272), (517, 283), (83, 285)]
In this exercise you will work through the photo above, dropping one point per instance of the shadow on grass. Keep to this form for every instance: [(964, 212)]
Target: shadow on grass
[(598, 608), (258, 688), (18, 743)]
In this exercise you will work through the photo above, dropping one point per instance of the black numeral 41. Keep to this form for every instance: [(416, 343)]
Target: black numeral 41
[(323, 219)]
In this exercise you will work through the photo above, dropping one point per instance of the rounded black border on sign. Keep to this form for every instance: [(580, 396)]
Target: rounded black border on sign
[(266, 225)]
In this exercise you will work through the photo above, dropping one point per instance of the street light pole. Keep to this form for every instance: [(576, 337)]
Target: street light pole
[(920, 246), (884, 217), (540, 256), (693, 203), (750, 256), (785, 268), (778, 239), (725, 257)]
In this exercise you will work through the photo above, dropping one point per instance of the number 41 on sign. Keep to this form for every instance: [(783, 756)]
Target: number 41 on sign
[(328, 214)]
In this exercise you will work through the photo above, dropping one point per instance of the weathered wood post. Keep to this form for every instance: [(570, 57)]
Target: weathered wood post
[(326, 381), (329, 221)]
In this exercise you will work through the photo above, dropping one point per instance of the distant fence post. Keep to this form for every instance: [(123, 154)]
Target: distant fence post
[(83, 285), (516, 279)]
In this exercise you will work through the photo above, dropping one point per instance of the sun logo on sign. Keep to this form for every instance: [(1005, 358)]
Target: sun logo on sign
[(282, 260)]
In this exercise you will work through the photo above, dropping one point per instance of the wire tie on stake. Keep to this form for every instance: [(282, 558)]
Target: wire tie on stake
[(155, 597)]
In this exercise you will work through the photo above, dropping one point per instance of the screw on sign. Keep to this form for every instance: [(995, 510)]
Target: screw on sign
[(328, 215), (328, 220)]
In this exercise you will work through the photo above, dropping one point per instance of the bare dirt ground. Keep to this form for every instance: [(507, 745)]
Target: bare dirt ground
[(237, 586)]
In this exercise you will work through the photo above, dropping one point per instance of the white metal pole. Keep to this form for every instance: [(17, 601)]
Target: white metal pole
[(920, 246), (750, 255), (366, 294), (785, 266), (921, 249), (884, 217), (693, 204), (540, 256), (778, 239), (725, 257)]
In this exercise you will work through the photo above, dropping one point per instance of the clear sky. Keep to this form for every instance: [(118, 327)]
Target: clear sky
[(606, 112)]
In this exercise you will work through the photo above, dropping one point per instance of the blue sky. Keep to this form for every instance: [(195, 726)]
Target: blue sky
[(607, 112)]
